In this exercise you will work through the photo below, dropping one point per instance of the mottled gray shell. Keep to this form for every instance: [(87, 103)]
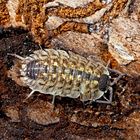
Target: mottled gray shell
[(57, 72)]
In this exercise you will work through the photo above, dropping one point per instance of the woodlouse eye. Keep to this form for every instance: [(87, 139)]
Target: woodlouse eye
[(103, 82)]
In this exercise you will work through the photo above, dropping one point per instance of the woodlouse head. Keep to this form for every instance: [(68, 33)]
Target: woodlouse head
[(104, 86), (104, 82)]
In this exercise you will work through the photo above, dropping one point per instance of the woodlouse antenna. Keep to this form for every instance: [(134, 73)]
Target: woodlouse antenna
[(106, 100), (16, 56), (118, 78)]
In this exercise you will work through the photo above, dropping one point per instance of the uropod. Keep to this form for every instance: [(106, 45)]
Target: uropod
[(65, 74)]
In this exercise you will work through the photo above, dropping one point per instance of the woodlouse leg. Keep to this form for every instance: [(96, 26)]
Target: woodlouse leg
[(53, 100), (115, 71), (107, 101), (111, 94), (118, 78), (30, 94)]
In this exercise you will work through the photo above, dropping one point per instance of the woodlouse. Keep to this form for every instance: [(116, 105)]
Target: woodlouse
[(57, 72)]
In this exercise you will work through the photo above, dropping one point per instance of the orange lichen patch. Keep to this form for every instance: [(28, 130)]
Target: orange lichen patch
[(79, 12), (32, 15), (70, 26), (29, 10), (24, 9), (38, 29), (106, 56), (4, 14), (118, 6)]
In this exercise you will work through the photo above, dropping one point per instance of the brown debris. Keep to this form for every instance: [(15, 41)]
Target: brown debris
[(43, 112), (13, 113), (131, 124)]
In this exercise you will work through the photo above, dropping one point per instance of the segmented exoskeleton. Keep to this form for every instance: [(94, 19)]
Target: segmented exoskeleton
[(57, 72)]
